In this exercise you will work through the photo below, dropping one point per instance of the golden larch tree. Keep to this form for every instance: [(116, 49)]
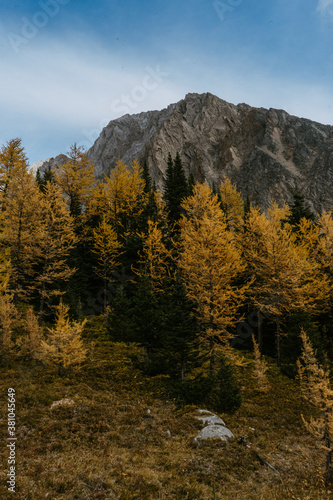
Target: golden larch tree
[(5, 268), (54, 247), (30, 342), (22, 228), (12, 158), (210, 263), (154, 258), (232, 203), (108, 248), (8, 311), (325, 244), (64, 346), (124, 197), (76, 179), (284, 277), (8, 316), (316, 389)]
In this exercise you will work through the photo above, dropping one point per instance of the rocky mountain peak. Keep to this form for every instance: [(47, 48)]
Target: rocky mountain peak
[(266, 153)]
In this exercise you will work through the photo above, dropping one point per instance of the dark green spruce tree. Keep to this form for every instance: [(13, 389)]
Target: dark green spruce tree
[(146, 315), (43, 178), (176, 188), (299, 209), (179, 332), (121, 325), (147, 178)]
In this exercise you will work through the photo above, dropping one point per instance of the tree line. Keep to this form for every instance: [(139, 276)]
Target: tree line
[(197, 257), (196, 260)]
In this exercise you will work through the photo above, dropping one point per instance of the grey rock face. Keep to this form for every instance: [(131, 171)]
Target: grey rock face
[(50, 163), (266, 153)]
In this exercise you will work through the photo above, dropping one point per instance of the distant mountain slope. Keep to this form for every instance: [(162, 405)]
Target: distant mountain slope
[(265, 152)]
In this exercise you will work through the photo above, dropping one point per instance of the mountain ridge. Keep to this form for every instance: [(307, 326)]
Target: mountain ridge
[(267, 153)]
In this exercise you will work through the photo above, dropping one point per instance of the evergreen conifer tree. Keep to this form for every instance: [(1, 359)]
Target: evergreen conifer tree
[(176, 188), (43, 178), (120, 323), (191, 184), (147, 178), (147, 319), (299, 209), (169, 196), (107, 247), (179, 331)]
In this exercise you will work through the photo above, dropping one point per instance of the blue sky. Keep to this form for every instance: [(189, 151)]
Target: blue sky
[(68, 67)]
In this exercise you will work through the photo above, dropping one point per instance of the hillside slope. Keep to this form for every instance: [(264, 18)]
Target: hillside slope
[(102, 434)]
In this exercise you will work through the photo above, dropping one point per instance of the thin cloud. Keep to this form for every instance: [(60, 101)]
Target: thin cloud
[(53, 95), (77, 91), (325, 6)]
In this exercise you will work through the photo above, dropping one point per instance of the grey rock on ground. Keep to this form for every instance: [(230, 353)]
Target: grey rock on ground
[(214, 427)]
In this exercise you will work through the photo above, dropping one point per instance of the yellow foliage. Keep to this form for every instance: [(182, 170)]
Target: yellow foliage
[(123, 194), (57, 240), (210, 262), (22, 228), (12, 159), (155, 258), (316, 389), (76, 179), (5, 270), (325, 248), (232, 203), (308, 236), (107, 247), (30, 343), (8, 314), (285, 278), (64, 346)]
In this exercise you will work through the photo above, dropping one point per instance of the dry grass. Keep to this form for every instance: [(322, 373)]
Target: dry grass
[(107, 446)]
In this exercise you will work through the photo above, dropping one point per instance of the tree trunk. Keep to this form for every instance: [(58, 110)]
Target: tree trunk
[(260, 343), (182, 372), (278, 341)]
